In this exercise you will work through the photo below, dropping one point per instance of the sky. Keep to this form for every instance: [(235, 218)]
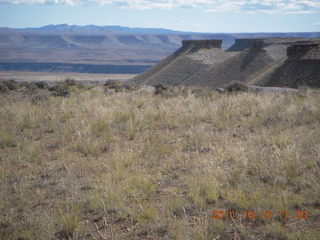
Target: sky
[(212, 16)]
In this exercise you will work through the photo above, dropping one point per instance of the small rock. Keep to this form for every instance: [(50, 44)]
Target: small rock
[(148, 89), (160, 89), (236, 87), (220, 90)]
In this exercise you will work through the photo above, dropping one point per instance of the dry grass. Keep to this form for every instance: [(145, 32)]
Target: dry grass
[(132, 165)]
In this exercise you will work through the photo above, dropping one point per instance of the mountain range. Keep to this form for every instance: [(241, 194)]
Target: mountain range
[(90, 29)]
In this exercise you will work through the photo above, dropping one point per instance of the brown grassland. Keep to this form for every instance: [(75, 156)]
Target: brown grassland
[(134, 165)]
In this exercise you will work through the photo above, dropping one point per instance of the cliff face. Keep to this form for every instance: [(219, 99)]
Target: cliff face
[(299, 49), (301, 68), (199, 44), (242, 44), (246, 43)]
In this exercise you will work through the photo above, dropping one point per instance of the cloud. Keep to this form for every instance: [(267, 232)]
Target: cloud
[(66, 2), (155, 4), (237, 6), (266, 6)]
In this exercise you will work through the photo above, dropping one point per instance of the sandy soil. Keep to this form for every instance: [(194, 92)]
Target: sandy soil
[(56, 77)]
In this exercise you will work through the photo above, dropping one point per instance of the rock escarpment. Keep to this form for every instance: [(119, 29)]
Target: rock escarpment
[(197, 44), (242, 44), (194, 56), (301, 68), (264, 62)]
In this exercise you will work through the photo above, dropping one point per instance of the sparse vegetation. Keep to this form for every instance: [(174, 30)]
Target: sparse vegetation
[(11, 84), (135, 165), (236, 87), (3, 88), (41, 84)]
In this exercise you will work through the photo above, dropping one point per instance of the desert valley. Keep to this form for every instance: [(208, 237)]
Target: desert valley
[(111, 133)]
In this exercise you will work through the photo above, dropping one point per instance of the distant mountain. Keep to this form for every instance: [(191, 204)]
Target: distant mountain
[(98, 45), (91, 29), (97, 30)]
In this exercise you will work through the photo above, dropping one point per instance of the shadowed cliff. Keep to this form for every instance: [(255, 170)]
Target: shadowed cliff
[(301, 68)]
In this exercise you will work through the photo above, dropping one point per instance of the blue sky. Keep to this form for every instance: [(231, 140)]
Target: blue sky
[(186, 15)]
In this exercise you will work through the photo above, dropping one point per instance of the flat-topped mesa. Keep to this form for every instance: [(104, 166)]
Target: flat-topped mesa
[(297, 50), (198, 44), (241, 44)]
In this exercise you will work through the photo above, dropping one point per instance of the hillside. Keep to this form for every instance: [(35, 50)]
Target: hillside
[(193, 57), (301, 68), (251, 61)]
